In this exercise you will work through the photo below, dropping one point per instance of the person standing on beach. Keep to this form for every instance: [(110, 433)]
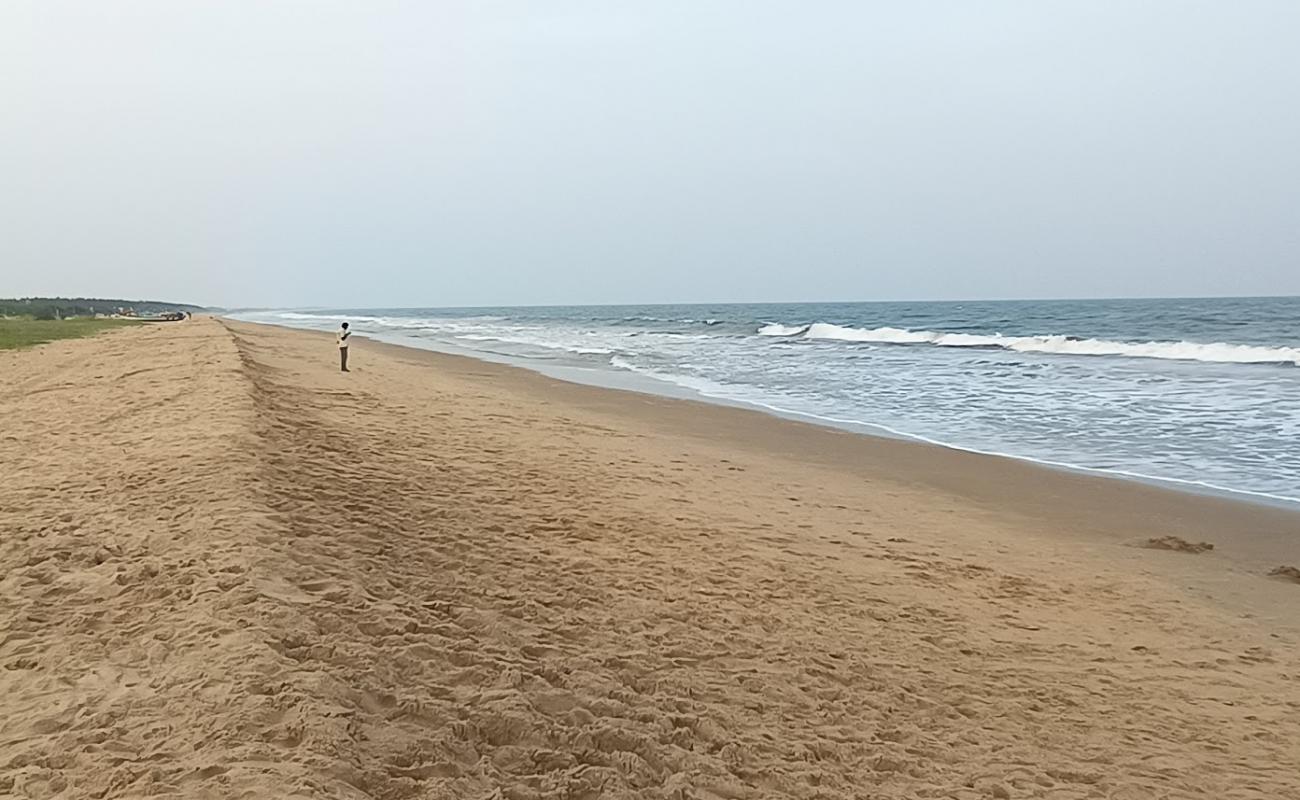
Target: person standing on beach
[(342, 338)]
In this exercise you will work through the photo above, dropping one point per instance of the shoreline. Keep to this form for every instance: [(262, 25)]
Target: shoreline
[(231, 570), (644, 384), (631, 380), (941, 466)]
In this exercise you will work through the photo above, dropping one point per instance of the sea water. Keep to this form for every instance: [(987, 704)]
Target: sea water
[(1193, 392)]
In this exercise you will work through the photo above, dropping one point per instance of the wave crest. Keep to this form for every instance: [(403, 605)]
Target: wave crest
[(1059, 344), (777, 329)]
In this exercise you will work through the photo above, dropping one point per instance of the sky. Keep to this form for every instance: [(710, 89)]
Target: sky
[(245, 153)]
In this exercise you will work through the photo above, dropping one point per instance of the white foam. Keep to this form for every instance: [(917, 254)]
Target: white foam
[(298, 315), (1216, 352), (529, 341), (327, 317), (702, 386), (717, 391), (777, 329), (825, 330)]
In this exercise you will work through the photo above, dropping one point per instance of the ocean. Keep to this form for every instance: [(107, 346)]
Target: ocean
[(1197, 393)]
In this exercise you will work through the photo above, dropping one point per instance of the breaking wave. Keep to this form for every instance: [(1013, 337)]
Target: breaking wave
[(1217, 352), (776, 329)]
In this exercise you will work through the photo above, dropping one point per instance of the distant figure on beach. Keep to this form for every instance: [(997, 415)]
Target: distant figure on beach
[(342, 338)]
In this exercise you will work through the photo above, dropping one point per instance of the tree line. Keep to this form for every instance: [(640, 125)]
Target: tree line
[(60, 307)]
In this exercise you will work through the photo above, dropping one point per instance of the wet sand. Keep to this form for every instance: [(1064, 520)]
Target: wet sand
[(231, 571)]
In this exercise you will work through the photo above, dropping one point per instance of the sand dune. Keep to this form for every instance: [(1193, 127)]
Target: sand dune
[(230, 571)]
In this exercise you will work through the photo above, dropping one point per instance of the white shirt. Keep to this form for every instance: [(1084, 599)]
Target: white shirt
[(342, 338)]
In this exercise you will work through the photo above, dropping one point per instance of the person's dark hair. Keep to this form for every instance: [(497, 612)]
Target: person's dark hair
[(345, 325)]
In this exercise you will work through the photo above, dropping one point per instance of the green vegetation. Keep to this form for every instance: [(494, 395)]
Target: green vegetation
[(26, 321), (61, 307), (27, 331)]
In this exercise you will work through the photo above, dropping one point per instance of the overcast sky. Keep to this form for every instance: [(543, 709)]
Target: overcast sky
[(481, 153)]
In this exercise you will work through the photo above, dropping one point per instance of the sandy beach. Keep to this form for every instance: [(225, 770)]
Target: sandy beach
[(229, 571)]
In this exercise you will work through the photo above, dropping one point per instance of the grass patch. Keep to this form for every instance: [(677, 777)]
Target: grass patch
[(18, 332)]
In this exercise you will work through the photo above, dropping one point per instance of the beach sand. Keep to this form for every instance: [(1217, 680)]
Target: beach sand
[(230, 571)]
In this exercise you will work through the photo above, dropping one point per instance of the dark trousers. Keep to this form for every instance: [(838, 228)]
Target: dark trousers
[(343, 359)]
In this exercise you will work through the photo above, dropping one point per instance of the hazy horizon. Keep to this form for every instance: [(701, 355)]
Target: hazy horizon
[(472, 154), (850, 301), (847, 301)]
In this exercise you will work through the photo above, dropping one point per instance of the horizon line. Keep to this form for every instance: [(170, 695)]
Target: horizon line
[(761, 302)]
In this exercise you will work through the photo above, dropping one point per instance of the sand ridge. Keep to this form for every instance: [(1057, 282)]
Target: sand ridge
[(230, 571)]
